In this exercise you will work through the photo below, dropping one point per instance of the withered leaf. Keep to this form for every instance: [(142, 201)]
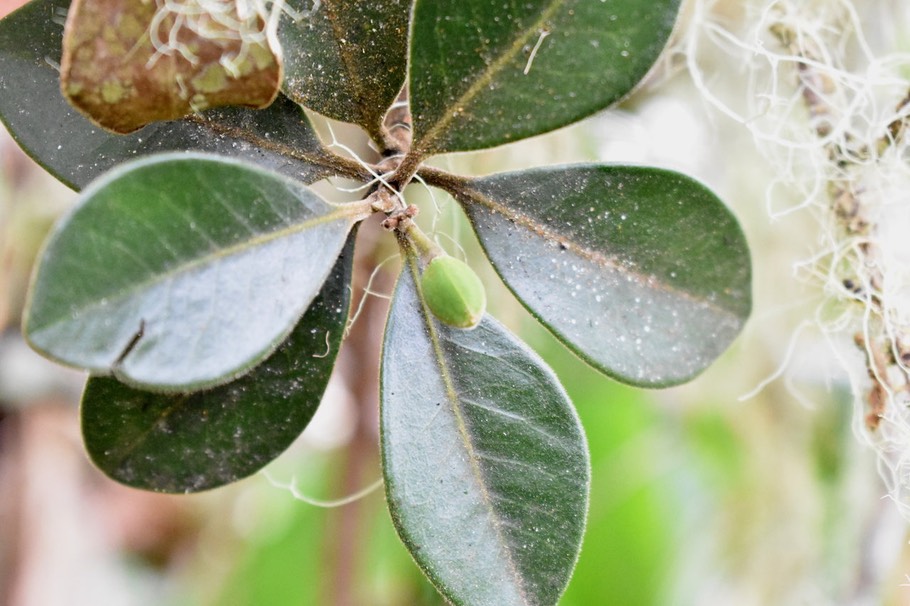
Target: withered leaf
[(127, 63)]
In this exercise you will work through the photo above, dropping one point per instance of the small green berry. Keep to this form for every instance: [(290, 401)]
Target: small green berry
[(453, 292)]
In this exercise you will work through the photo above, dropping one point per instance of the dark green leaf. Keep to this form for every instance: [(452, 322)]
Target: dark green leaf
[(641, 271), (75, 151), (347, 60), (487, 72), (485, 463), (191, 442), (177, 272)]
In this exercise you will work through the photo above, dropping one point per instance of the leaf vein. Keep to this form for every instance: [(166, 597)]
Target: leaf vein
[(597, 258), (454, 401), (485, 78), (237, 248)]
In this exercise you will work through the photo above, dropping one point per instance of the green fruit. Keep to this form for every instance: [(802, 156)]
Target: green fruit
[(453, 292)]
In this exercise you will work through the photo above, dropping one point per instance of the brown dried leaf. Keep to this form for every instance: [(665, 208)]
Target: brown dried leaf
[(127, 63)]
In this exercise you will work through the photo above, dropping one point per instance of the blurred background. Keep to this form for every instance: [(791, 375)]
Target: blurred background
[(752, 485)]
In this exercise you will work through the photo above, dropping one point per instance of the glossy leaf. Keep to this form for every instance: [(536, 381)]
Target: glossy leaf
[(196, 441), (348, 58), (484, 460), (76, 151), (487, 72), (180, 271), (641, 271), (126, 64)]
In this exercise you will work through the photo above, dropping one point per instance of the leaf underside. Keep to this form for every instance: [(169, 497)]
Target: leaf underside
[(484, 460), (641, 271), (75, 151), (347, 60), (180, 271), (187, 275), (205, 439), (488, 72)]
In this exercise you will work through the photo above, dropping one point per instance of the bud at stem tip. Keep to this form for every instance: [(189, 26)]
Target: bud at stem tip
[(453, 292)]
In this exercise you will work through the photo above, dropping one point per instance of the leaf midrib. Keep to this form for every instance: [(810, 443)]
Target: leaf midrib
[(125, 452), (212, 256), (425, 144), (455, 406), (595, 257), (353, 75), (320, 158)]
